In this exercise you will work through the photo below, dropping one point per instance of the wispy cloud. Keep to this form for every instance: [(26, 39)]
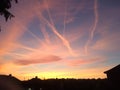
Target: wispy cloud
[(84, 61), (108, 42)]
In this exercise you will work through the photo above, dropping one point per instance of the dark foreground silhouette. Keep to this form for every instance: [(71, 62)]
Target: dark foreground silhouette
[(8, 82), (11, 83)]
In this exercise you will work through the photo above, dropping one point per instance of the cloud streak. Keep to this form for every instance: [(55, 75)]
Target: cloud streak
[(94, 26), (54, 30), (84, 61), (45, 59)]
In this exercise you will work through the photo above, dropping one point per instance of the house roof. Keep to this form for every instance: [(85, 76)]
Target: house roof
[(8, 82), (9, 77), (114, 69)]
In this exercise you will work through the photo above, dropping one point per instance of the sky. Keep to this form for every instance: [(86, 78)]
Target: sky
[(60, 39)]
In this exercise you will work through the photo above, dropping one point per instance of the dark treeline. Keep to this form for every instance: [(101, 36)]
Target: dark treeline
[(8, 82), (66, 84)]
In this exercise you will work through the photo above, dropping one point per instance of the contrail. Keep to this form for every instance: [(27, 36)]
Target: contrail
[(94, 25), (54, 30), (65, 16), (65, 42), (46, 36), (51, 20), (96, 19), (25, 47), (47, 8), (35, 36)]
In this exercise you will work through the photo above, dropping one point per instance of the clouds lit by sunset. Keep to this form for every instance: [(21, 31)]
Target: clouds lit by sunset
[(60, 39)]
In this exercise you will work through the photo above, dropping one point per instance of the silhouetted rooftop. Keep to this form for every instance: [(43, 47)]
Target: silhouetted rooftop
[(114, 69), (8, 82), (9, 77)]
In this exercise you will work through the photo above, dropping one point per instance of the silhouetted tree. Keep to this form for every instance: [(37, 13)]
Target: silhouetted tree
[(4, 6)]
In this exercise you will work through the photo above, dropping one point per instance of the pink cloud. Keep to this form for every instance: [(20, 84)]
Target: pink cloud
[(84, 61), (108, 42), (45, 59)]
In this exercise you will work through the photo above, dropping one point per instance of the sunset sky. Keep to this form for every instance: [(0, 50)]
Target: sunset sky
[(60, 39)]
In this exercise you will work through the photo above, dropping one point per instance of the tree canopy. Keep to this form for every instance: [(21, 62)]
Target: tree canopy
[(5, 5)]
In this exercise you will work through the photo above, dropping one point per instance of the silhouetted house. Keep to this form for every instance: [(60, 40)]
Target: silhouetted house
[(8, 82), (113, 74)]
